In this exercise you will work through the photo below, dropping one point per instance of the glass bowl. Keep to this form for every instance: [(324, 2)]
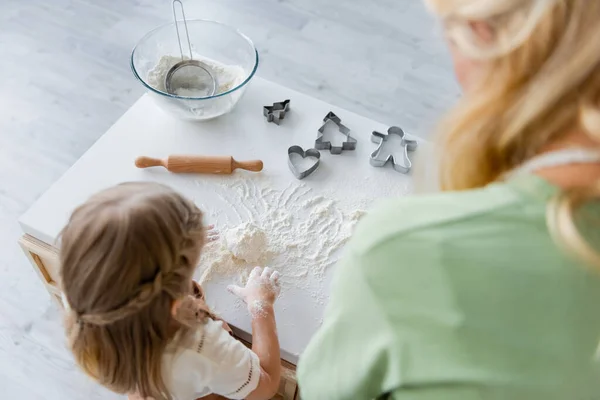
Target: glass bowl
[(231, 54)]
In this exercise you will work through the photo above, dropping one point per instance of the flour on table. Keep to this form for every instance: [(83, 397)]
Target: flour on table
[(294, 231), (247, 243), (227, 76)]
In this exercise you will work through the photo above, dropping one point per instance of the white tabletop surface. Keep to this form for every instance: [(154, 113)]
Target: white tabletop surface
[(244, 134)]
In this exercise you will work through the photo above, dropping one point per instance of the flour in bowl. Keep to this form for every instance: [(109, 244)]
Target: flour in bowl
[(227, 76)]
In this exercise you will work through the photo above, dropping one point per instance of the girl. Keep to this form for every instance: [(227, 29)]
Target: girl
[(491, 289), (137, 324)]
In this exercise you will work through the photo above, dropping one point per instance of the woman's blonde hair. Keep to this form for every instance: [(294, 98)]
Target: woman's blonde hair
[(541, 79), (127, 254)]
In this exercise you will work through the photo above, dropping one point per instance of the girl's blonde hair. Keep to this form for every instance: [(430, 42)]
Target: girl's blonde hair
[(127, 254), (541, 79)]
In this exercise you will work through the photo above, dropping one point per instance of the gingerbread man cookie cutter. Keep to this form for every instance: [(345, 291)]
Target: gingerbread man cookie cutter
[(379, 158)]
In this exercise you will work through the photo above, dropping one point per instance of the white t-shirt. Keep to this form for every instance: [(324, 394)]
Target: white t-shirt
[(210, 361)]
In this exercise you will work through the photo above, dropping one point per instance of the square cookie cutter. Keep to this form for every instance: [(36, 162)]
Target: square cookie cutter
[(380, 159), (277, 111), (298, 173), (348, 144)]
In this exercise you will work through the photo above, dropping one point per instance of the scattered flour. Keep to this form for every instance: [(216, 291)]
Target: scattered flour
[(227, 76), (247, 243), (292, 230)]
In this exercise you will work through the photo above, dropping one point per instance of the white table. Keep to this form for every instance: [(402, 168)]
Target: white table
[(245, 134)]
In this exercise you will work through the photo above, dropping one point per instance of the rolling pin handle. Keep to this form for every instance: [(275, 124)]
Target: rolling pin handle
[(255, 165), (147, 162)]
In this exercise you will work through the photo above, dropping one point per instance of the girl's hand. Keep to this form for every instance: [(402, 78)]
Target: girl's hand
[(211, 234), (260, 291)]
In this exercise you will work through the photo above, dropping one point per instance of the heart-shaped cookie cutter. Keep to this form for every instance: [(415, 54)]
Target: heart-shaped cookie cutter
[(408, 145), (301, 174)]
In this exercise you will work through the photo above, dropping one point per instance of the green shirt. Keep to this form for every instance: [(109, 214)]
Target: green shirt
[(454, 296)]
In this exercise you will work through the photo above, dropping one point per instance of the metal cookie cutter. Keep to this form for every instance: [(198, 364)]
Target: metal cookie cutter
[(348, 144), (277, 111), (298, 173), (379, 158)]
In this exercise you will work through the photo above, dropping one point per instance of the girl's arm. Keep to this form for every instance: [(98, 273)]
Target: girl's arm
[(260, 294)]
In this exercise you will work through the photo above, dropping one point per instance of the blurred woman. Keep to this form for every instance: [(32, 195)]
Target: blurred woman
[(490, 289)]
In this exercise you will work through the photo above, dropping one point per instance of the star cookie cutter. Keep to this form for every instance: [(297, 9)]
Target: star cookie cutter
[(277, 111), (348, 144), (380, 159), (303, 173)]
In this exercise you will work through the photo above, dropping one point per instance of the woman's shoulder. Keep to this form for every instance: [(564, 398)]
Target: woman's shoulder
[(397, 218)]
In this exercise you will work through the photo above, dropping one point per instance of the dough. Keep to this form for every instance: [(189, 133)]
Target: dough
[(247, 242)]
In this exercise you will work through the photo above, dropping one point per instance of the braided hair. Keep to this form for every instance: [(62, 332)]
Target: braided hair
[(127, 255)]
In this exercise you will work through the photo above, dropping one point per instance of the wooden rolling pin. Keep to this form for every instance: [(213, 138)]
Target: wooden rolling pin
[(199, 164)]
